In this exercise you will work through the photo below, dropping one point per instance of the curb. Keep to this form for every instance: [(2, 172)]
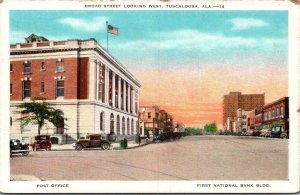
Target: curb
[(117, 148), (24, 178)]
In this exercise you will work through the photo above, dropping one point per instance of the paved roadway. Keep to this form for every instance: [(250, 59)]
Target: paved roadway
[(190, 158)]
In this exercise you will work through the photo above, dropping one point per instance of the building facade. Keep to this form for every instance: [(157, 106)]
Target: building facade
[(95, 92), (254, 120), (236, 100), (275, 115), (148, 118), (242, 122)]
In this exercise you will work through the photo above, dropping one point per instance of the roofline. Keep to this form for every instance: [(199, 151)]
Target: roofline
[(276, 101), (105, 54)]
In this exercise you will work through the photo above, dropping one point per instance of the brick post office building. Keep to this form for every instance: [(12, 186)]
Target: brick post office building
[(94, 91)]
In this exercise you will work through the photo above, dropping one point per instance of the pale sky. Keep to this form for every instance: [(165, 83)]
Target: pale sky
[(185, 60)]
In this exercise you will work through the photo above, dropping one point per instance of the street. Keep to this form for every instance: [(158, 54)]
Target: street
[(190, 158)]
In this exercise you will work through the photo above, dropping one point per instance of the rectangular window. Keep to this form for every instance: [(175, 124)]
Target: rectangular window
[(11, 69), (26, 89), (26, 67), (149, 114), (43, 66), (42, 87), (60, 66), (60, 88), (281, 111), (10, 88)]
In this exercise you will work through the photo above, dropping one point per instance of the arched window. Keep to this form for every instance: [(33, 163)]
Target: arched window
[(112, 121), (118, 125), (128, 127), (123, 125), (101, 121), (132, 127)]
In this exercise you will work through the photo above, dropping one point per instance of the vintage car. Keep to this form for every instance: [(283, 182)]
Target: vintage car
[(265, 133), (16, 146), (41, 142), (92, 141)]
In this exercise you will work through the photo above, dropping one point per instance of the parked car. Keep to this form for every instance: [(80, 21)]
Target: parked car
[(276, 133), (165, 136), (265, 133), (284, 135), (16, 146), (92, 141), (176, 135), (41, 142)]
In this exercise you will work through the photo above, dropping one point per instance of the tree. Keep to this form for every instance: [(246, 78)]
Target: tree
[(210, 127), (193, 131), (38, 112)]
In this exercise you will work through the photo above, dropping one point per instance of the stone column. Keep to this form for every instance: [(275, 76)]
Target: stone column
[(124, 95), (137, 100), (113, 89), (106, 85), (97, 81), (133, 101), (119, 92), (128, 101)]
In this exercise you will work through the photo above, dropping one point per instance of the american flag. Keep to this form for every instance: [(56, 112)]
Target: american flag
[(112, 30)]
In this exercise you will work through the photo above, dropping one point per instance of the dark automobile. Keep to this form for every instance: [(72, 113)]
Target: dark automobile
[(16, 146), (41, 142), (165, 136), (92, 141), (176, 135), (275, 134)]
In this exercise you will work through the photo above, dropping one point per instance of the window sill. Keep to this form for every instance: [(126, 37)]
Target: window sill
[(42, 70), (42, 93), (11, 71), (59, 71), (59, 98), (26, 73)]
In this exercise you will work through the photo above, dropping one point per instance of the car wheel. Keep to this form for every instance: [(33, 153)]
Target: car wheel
[(78, 147), (105, 146), (25, 153)]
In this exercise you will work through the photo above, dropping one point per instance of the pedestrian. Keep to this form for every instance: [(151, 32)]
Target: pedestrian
[(139, 139)]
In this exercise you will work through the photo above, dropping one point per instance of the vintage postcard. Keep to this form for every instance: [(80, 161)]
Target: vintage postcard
[(156, 97)]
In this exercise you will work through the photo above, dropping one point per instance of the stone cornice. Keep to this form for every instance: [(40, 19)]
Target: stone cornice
[(95, 47)]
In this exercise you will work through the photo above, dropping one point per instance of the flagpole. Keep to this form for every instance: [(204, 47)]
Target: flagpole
[(107, 36)]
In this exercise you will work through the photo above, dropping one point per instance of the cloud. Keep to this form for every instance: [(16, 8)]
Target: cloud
[(89, 25), (247, 23), (197, 40)]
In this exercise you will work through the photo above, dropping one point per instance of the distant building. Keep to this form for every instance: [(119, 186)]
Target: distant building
[(148, 118), (95, 92), (254, 120), (236, 100), (241, 122), (275, 115), (178, 126)]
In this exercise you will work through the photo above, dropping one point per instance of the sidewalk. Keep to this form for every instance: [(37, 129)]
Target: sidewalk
[(115, 146)]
